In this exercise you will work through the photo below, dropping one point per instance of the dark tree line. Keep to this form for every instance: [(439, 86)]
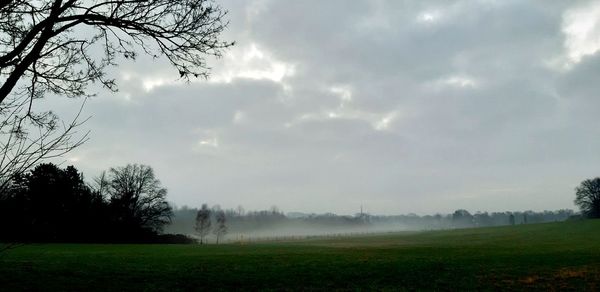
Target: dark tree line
[(48, 203), (462, 218)]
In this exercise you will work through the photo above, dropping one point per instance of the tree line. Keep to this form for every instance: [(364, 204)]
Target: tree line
[(53, 204), (587, 198), (188, 220), (128, 204)]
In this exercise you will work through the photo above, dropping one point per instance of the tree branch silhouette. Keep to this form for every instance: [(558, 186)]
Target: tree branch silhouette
[(61, 47), (57, 37)]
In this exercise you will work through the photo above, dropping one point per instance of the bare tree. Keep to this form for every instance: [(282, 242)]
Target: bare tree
[(221, 228), (587, 197), (138, 196), (101, 185), (203, 222), (240, 210)]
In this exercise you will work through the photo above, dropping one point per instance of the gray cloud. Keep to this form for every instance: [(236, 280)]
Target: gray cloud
[(398, 106)]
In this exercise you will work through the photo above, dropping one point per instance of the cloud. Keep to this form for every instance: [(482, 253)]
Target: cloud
[(458, 81), (402, 106), (250, 62), (581, 26)]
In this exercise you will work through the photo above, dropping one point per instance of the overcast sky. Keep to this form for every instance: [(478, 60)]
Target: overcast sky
[(399, 106)]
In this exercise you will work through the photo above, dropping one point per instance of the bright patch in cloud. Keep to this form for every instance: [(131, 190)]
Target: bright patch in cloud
[(384, 122), (238, 117), (429, 16), (346, 110), (252, 63), (151, 83), (147, 82), (344, 93), (209, 142), (209, 139), (581, 27), (459, 81)]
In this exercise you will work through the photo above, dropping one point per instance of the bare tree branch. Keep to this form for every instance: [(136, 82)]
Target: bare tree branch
[(57, 37), (27, 138), (46, 47)]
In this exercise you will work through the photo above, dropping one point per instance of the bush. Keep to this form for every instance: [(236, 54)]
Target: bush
[(175, 239)]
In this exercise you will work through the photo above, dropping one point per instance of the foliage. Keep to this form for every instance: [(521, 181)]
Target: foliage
[(53, 204), (49, 203), (174, 239), (462, 218)]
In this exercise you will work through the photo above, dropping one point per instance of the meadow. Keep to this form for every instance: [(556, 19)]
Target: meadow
[(550, 256)]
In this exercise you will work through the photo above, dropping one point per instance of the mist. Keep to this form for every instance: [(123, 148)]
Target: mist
[(247, 226)]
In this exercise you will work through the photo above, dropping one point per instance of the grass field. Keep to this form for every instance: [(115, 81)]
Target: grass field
[(551, 256)]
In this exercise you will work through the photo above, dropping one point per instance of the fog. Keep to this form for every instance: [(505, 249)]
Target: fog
[(276, 225)]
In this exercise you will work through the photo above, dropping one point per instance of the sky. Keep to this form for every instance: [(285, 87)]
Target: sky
[(398, 106)]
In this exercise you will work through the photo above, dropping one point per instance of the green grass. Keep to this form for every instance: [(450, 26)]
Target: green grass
[(551, 256)]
